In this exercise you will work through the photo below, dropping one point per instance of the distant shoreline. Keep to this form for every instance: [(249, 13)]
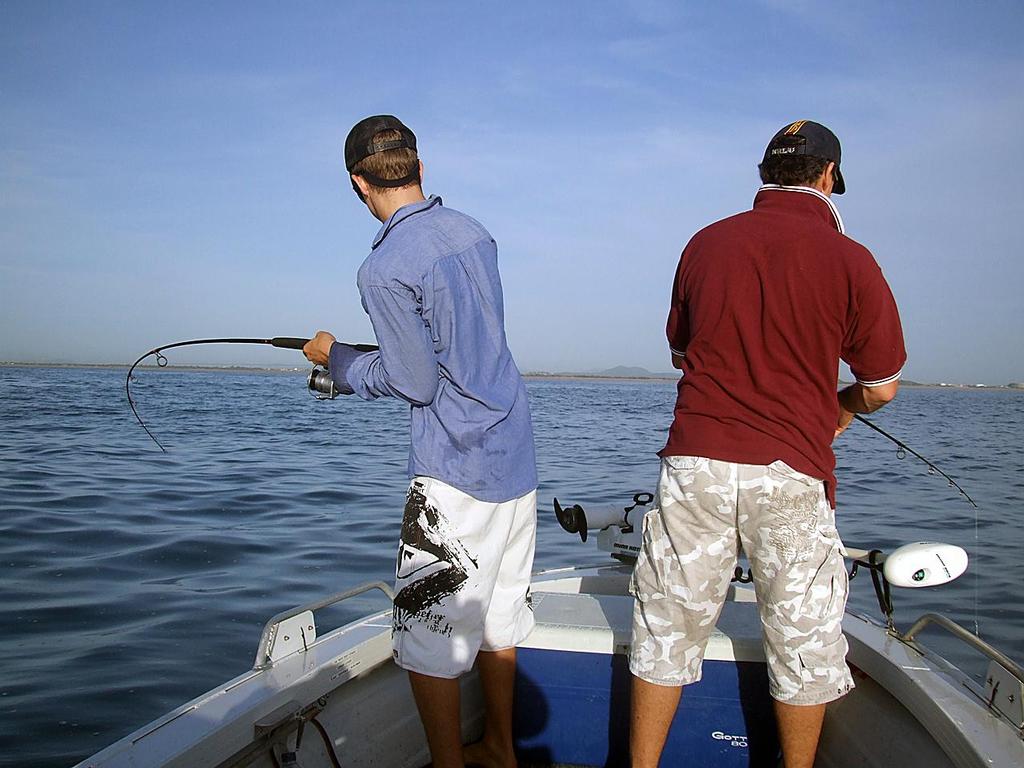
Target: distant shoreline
[(533, 375), (593, 377), (906, 384)]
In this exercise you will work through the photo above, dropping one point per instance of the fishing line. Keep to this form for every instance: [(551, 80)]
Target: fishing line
[(977, 574), (282, 342), (901, 451)]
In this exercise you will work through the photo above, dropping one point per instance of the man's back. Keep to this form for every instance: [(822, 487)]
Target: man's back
[(765, 304), (470, 418)]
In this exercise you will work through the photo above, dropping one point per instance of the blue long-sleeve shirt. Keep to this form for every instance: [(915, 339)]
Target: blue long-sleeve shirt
[(431, 288)]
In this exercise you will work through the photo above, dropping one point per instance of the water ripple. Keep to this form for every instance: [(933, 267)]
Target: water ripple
[(134, 579)]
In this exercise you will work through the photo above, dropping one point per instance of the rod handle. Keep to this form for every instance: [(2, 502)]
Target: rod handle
[(288, 342)]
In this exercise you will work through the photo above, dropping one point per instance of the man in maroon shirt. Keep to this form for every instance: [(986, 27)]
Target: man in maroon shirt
[(764, 306)]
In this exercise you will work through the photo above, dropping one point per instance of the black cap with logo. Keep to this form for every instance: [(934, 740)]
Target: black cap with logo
[(360, 145), (805, 137)]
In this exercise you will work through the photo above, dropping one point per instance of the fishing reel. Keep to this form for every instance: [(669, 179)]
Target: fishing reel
[(321, 385)]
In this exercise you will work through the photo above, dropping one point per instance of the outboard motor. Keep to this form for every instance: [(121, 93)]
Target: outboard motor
[(618, 528)]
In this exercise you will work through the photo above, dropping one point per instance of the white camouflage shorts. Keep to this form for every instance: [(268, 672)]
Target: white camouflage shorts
[(781, 518)]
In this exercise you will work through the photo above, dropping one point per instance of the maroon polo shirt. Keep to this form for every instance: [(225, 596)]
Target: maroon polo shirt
[(765, 304)]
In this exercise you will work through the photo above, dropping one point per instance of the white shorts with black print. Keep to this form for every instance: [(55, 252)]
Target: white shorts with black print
[(462, 581)]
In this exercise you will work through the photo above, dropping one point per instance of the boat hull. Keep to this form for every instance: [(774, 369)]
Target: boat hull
[(344, 695)]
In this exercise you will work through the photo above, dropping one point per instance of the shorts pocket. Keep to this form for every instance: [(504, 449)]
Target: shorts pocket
[(828, 535), (824, 673), (646, 581), (684, 462), (824, 599), (782, 470)]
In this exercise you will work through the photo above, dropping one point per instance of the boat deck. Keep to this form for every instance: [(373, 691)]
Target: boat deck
[(573, 677)]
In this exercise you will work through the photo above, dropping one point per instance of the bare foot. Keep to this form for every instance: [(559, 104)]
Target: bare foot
[(479, 754)]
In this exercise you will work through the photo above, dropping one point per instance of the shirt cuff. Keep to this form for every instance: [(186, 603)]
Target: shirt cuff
[(880, 382), (341, 358)]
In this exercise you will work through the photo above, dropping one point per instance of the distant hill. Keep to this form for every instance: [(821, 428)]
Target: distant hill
[(633, 372), (618, 372)]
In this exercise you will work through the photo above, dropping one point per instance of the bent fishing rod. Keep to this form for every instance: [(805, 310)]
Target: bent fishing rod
[(902, 449), (319, 380)]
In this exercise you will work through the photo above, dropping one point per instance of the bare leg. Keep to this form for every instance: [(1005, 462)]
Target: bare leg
[(652, 709), (437, 699), (497, 676), (799, 729)]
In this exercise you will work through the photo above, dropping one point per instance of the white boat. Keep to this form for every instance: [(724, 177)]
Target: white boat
[(339, 700)]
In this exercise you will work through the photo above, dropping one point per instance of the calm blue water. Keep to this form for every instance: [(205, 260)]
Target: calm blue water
[(134, 580)]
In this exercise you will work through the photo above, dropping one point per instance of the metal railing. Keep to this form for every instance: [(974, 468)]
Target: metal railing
[(968, 637), (270, 628)]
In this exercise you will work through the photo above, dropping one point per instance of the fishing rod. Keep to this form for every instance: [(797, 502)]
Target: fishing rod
[(903, 449), (319, 380)]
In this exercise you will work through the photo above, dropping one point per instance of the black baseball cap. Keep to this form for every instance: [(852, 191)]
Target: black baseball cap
[(805, 137), (360, 145)]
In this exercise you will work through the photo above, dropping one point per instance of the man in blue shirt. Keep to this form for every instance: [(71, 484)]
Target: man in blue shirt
[(433, 294)]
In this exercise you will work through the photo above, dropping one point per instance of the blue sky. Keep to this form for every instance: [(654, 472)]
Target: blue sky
[(174, 170)]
